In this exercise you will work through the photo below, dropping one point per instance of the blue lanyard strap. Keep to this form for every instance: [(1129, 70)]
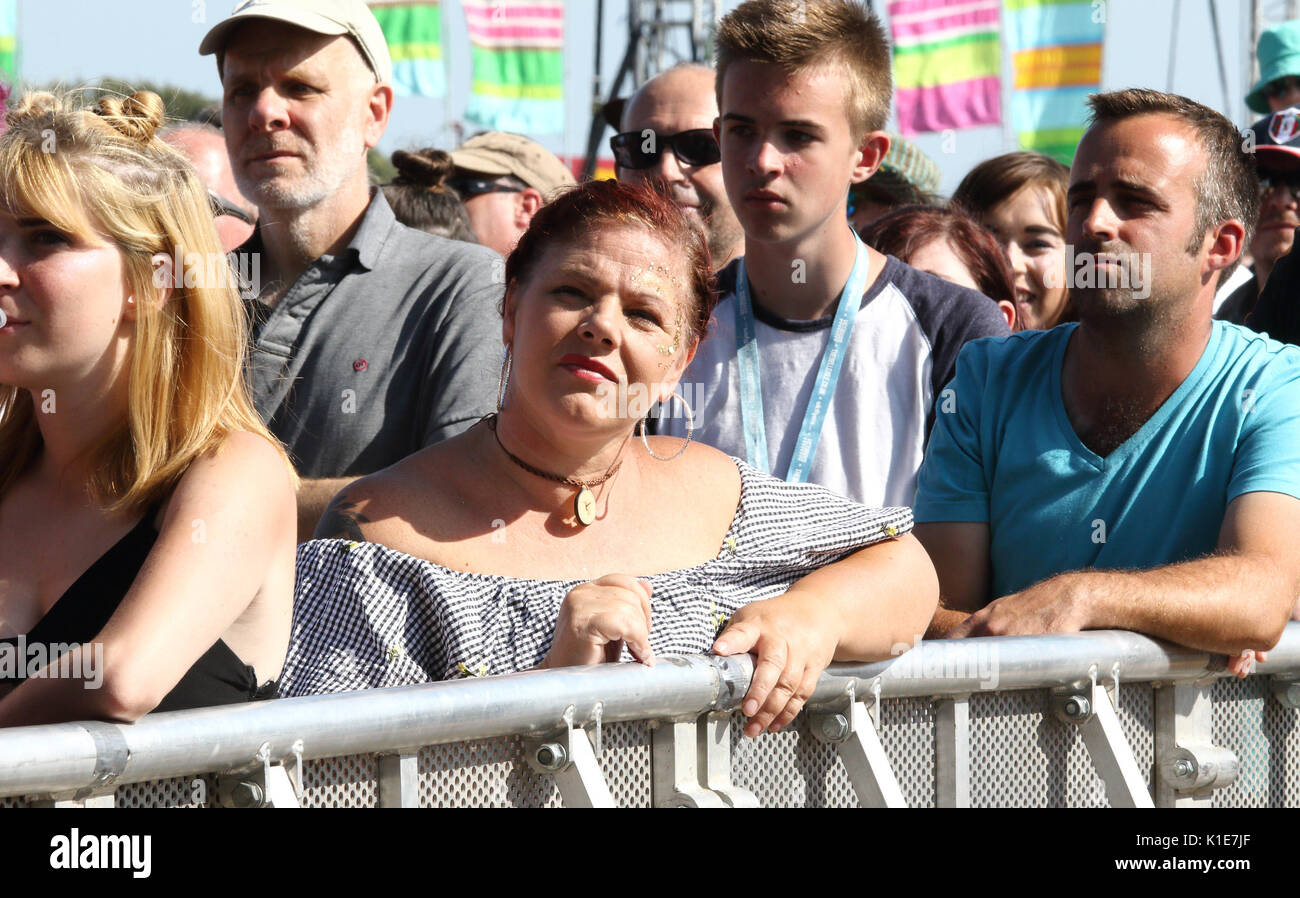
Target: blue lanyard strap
[(828, 373)]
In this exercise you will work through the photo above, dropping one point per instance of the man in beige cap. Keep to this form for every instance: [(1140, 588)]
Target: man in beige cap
[(371, 340), (503, 179)]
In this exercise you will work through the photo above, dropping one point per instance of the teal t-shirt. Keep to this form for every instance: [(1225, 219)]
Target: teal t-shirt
[(1003, 452)]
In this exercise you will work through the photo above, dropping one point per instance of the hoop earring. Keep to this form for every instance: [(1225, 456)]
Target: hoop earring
[(690, 429), (505, 378)]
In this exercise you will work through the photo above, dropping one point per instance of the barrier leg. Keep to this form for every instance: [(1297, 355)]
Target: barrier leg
[(676, 771), (1188, 766), (952, 752), (849, 728), (570, 758), (399, 781), (1089, 706)]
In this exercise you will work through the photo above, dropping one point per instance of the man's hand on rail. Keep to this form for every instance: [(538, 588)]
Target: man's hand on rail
[(794, 638), (597, 618), (1046, 607)]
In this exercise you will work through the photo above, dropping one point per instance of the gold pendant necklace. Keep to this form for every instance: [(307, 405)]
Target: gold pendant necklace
[(584, 504)]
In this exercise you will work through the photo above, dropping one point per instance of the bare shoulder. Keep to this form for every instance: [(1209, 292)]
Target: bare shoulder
[(700, 473), (391, 506), (246, 471)]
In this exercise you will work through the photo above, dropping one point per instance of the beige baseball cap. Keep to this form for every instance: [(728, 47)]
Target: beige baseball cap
[(350, 17), (502, 153)]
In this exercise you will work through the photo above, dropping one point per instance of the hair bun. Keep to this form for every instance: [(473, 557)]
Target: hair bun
[(137, 117), (427, 168)]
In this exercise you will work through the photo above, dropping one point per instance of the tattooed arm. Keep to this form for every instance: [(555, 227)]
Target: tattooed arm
[(314, 497), (342, 520)]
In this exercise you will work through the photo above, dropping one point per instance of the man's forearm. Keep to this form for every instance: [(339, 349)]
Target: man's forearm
[(944, 620), (313, 497), (1224, 603)]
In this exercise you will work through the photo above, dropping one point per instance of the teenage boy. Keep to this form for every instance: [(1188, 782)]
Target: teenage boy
[(825, 358)]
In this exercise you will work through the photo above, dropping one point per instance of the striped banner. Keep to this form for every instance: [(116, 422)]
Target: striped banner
[(516, 48), (414, 35), (947, 63), (9, 42), (1056, 48)]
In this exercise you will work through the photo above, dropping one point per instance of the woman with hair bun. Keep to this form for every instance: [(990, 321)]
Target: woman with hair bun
[(421, 198), (147, 517)]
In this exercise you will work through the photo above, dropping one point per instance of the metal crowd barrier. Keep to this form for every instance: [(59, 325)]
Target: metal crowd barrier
[(1105, 718)]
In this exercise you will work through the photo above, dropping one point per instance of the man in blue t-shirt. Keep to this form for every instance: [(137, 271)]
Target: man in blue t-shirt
[(1140, 470)]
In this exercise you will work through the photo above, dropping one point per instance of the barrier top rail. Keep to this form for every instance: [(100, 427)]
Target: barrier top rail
[(83, 756)]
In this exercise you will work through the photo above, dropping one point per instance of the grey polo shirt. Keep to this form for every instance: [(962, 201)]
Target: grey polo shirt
[(381, 350)]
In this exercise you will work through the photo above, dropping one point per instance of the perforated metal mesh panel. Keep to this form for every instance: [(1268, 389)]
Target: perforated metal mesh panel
[(351, 781), (176, 792), (1266, 737), (1023, 756)]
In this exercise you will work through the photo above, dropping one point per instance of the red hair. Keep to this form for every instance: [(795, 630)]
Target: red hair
[(594, 205), (904, 231)]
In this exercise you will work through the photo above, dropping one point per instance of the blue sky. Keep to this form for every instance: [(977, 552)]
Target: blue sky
[(80, 40)]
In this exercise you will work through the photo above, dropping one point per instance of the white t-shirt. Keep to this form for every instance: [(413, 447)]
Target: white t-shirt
[(904, 347)]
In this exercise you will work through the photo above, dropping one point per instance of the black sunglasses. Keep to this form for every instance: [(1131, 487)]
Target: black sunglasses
[(1270, 181), (1281, 86), (641, 149), (222, 206), (468, 188)]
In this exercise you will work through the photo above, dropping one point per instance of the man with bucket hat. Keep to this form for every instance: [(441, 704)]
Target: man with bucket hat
[(1278, 53), (370, 340), (503, 179)]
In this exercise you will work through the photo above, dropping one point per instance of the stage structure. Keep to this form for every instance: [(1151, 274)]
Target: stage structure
[(660, 34)]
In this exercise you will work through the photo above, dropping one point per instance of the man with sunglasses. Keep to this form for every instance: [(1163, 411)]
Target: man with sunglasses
[(205, 147), (667, 137), (1277, 161), (503, 179)]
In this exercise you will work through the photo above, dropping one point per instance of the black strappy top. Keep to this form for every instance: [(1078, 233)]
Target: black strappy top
[(219, 677)]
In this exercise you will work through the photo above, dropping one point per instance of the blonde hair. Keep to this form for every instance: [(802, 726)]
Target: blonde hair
[(102, 173), (806, 34)]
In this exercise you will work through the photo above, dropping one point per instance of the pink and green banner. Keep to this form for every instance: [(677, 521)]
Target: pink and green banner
[(1056, 46), (947, 63), (9, 42), (517, 53), (414, 35)]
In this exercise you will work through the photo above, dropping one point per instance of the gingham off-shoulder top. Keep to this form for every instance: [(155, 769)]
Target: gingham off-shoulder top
[(366, 616)]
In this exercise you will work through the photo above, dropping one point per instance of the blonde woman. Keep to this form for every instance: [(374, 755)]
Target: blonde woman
[(146, 515)]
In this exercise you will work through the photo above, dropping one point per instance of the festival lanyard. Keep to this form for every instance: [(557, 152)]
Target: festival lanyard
[(828, 374)]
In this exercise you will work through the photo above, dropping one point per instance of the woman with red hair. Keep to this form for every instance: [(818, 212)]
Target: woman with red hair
[(550, 535), (950, 245)]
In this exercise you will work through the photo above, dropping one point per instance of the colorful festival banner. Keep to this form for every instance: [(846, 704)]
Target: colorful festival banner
[(414, 35), (517, 54), (947, 63), (9, 42), (1056, 48)]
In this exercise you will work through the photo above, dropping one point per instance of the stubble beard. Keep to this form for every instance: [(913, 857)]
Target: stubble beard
[(325, 170), (722, 230)]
